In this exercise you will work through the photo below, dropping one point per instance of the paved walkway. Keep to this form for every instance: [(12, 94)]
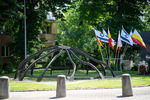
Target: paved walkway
[(139, 93)]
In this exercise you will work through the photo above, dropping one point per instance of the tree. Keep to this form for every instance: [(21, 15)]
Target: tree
[(147, 17), (76, 33), (12, 17), (113, 14), (73, 34), (9, 15)]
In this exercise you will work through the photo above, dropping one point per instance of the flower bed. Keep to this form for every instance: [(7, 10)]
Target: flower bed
[(142, 68)]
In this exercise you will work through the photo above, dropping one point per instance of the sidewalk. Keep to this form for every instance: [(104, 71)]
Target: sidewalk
[(139, 93)]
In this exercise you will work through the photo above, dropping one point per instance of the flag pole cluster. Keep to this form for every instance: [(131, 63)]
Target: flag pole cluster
[(104, 37), (132, 38)]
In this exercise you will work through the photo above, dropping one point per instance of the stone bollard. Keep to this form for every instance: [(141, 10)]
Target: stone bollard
[(61, 86), (4, 87), (126, 85)]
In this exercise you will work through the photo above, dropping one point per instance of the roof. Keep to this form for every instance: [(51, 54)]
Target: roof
[(50, 16)]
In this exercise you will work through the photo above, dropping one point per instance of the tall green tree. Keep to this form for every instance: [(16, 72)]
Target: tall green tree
[(9, 15), (147, 18), (73, 34), (36, 12), (114, 14), (77, 33)]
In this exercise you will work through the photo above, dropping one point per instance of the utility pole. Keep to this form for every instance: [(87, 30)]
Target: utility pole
[(25, 33)]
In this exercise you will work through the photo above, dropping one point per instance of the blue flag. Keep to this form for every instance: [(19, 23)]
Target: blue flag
[(126, 37), (101, 36)]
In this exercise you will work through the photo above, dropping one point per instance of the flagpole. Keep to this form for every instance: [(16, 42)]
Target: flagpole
[(100, 49), (106, 52), (25, 33), (109, 55), (116, 56), (126, 46), (126, 49), (117, 59), (108, 46), (101, 52)]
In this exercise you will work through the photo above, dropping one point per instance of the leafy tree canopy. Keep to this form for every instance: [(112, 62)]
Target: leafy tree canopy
[(12, 18), (76, 33), (104, 14), (147, 17), (113, 13)]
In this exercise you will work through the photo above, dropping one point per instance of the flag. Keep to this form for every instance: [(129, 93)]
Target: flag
[(136, 37), (110, 40), (126, 37), (106, 35), (98, 40), (119, 43), (100, 35), (131, 32)]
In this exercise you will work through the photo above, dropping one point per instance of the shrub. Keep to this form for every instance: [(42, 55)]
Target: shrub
[(112, 66), (14, 62), (1, 66), (9, 68), (135, 68), (122, 66)]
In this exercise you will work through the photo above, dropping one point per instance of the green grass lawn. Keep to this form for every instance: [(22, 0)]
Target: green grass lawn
[(30, 84), (27, 86), (86, 84), (107, 83)]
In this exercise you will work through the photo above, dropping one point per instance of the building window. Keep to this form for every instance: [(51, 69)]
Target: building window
[(2, 29), (5, 51), (47, 30)]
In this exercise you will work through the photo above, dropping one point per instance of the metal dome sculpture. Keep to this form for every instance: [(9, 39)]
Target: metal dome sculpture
[(22, 71)]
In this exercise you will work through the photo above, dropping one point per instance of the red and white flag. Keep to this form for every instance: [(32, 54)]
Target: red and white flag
[(119, 43)]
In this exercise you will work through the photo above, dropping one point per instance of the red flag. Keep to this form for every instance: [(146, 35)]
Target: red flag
[(110, 40), (136, 37)]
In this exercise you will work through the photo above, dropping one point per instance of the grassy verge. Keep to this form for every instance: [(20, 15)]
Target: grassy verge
[(30, 84), (115, 83), (86, 84), (30, 87)]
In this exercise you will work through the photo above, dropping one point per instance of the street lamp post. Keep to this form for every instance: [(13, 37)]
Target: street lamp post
[(25, 33)]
